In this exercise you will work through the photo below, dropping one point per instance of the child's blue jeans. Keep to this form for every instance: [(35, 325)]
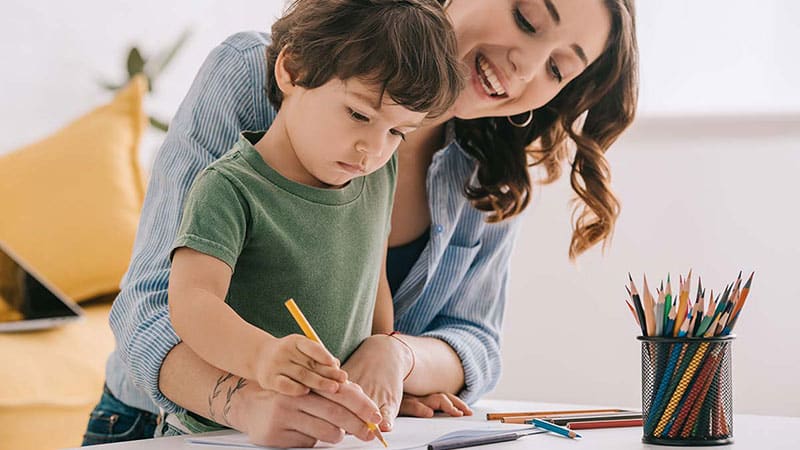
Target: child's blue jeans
[(114, 421)]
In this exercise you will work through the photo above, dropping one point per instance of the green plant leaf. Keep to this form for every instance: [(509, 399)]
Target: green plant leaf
[(113, 87), (159, 125), (135, 62), (157, 65)]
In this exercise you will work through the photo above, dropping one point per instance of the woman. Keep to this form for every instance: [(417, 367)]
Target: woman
[(543, 73)]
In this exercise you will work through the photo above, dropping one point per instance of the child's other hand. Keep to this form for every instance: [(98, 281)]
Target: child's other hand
[(427, 405), (294, 364)]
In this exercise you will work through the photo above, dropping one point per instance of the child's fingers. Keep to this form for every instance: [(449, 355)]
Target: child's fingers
[(315, 358), (441, 402), (316, 351), (312, 379), (288, 386), (412, 406), (444, 402), (460, 404)]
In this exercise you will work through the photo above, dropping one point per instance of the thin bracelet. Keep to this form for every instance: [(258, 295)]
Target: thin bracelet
[(413, 355)]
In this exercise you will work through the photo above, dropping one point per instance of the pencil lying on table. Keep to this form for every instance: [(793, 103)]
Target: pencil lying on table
[(534, 414), (594, 424), (563, 419), (311, 334), (558, 429)]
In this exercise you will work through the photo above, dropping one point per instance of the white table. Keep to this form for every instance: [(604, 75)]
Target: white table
[(749, 433)]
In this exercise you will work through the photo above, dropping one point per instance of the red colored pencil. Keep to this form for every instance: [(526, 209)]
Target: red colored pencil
[(593, 424)]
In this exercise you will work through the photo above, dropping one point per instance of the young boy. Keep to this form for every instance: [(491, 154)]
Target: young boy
[(303, 209)]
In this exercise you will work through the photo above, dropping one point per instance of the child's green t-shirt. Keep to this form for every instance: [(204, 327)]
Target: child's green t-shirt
[(322, 247)]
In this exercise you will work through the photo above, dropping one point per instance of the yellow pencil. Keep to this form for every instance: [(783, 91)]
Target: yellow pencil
[(683, 303), (311, 334)]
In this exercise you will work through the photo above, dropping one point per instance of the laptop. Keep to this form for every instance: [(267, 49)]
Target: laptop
[(28, 301)]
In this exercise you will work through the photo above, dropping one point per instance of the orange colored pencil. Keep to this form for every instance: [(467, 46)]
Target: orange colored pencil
[(540, 414), (683, 303)]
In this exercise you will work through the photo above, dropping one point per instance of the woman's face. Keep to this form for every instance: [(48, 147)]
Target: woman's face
[(521, 53)]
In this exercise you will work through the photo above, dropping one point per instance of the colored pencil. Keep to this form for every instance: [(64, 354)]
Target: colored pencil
[(740, 304), (562, 419), (685, 377), (632, 311), (563, 431), (659, 311), (688, 395), (709, 367), (618, 416), (637, 304), (700, 301), (667, 305), (594, 424), (301, 320), (537, 414), (649, 309), (683, 301)]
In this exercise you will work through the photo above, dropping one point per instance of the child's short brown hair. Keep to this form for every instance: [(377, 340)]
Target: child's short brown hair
[(407, 47)]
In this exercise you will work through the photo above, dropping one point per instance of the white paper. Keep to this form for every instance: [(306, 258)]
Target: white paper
[(408, 434)]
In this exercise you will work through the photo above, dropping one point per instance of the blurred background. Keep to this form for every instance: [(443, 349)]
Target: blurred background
[(706, 176)]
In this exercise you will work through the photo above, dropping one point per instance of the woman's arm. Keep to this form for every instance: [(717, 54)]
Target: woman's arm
[(224, 98), (470, 321), (267, 417)]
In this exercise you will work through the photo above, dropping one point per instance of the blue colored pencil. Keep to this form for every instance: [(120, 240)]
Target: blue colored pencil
[(558, 429), (655, 408)]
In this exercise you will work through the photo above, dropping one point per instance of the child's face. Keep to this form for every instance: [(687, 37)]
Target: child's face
[(339, 131)]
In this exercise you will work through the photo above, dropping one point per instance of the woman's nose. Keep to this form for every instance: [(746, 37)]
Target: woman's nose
[(527, 62)]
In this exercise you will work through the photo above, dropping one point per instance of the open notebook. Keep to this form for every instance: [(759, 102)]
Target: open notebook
[(27, 301), (408, 434)]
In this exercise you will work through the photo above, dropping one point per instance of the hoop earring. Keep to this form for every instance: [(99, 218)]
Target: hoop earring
[(523, 124)]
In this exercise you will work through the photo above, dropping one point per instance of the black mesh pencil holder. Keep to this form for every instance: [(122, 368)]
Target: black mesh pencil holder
[(687, 396)]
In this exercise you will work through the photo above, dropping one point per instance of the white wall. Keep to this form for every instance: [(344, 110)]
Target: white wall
[(55, 53), (714, 195), (707, 176)]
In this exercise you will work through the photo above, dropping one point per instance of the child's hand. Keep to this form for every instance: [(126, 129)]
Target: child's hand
[(427, 405), (294, 364)]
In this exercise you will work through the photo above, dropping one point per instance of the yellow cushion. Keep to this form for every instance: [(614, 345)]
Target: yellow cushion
[(70, 203), (50, 381)]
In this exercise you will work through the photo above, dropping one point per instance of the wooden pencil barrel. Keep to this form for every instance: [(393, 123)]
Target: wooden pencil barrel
[(687, 390)]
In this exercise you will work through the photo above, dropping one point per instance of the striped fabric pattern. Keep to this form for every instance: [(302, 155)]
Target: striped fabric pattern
[(455, 292)]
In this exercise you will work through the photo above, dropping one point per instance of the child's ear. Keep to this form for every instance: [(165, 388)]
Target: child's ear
[(283, 76)]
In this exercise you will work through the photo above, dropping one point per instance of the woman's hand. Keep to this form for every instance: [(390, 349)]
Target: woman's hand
[(273, 419), (427, 405), (379, 366)]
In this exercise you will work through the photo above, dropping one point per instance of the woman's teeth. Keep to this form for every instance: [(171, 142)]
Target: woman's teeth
[(491, 85)]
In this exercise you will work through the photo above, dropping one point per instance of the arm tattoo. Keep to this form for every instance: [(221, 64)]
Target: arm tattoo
[(215, 393), (232, 390)]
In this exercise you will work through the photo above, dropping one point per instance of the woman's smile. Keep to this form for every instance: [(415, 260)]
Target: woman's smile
[(490, 81)]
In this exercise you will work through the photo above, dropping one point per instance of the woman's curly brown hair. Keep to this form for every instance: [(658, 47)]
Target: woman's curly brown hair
[(606, 93)]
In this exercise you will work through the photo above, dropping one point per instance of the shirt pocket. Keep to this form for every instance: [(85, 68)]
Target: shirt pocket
[(453, 267)]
